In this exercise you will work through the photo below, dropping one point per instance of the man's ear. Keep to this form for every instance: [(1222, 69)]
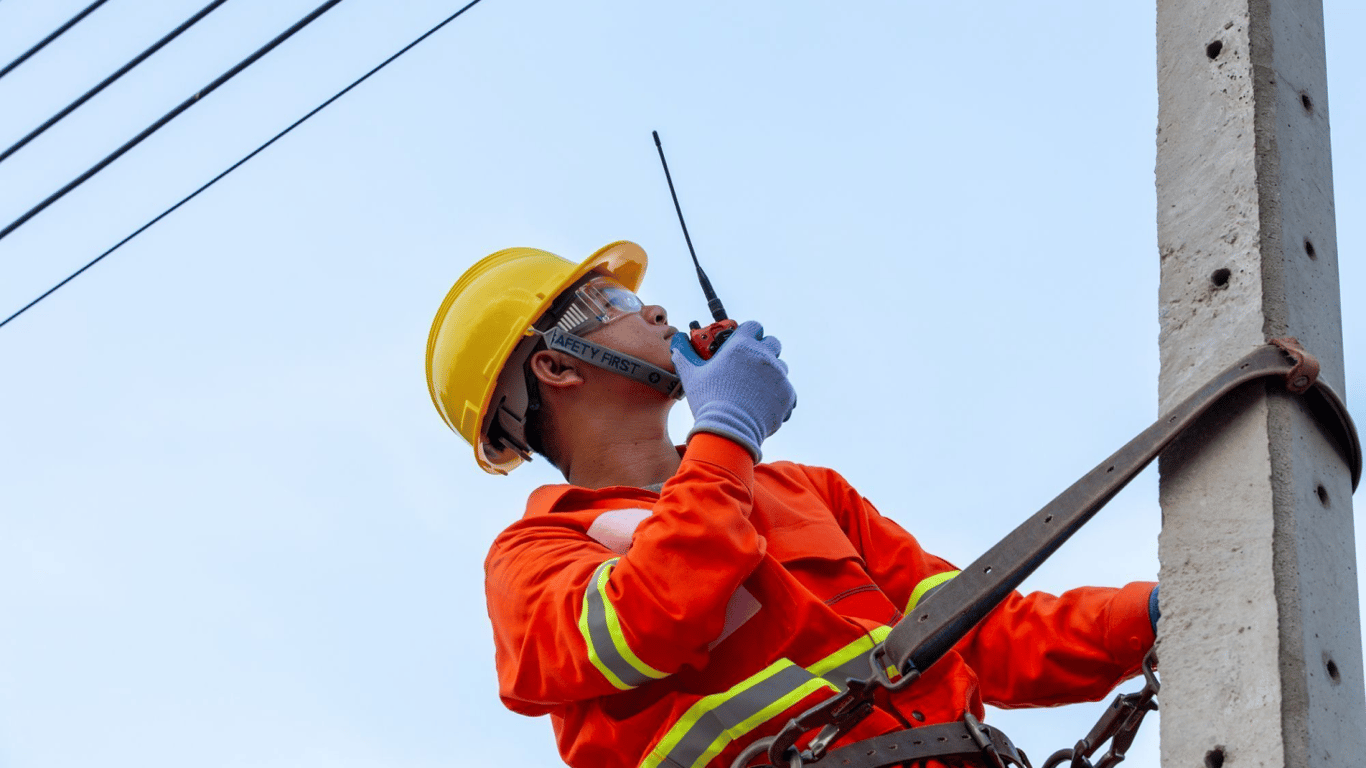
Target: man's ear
[(555, 369)]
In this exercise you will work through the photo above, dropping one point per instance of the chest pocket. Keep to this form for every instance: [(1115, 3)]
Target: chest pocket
[(803, 535)]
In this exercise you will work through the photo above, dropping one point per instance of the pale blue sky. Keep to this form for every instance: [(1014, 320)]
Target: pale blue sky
[(234, 532)]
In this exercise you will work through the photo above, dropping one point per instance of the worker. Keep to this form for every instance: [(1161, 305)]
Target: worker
[(669, 605)]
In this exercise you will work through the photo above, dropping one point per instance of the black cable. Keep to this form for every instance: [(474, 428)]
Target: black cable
[(51, 121), (169, 116), (237, 164), (55, 34)]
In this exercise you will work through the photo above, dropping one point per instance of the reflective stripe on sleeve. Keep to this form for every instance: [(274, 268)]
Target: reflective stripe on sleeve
[(601, 630), (926, 586), (711, 724)]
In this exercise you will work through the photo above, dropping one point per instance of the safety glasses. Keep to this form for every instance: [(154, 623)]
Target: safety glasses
[(596, 303)]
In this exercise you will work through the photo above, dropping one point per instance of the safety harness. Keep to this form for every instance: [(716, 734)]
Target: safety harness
[(950, 611)]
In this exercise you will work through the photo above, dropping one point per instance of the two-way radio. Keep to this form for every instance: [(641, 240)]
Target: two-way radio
[(705, 341)]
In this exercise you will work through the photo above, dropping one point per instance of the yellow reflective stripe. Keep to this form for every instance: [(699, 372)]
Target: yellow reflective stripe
[(925, 586), (879, 635), (851, 660), (714, 721), (592, 648), (859, 647), (601, 630), (618, 637), (759, 718)]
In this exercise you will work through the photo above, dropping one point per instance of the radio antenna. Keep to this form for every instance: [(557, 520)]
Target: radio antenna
[(718, 312)]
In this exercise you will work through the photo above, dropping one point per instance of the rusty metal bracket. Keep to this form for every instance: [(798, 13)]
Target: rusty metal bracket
[(1306, 371)]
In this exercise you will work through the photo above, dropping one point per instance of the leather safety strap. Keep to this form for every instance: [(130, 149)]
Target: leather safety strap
[(945, 741), (949, 741), (943, 618)]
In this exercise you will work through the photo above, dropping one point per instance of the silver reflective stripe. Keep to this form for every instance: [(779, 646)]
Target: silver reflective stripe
[(851, 660), (615, 529), (601, 630), (715, 721), (857, 668)]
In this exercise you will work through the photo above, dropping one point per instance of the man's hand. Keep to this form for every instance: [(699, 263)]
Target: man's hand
[(742, 393), (1154, 608)]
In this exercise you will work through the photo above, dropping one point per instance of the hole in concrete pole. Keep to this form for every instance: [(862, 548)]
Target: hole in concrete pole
[(1213, 49), (1307, 102), (1220, 277), (1323, 495), (1215, 758), (1333, 673), (1309, 249)]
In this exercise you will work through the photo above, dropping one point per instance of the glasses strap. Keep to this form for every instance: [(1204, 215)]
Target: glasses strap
[(611, 360)]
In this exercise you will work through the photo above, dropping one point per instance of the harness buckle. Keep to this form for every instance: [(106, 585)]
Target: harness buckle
[(877, 662), (982, 740), (834, 717)]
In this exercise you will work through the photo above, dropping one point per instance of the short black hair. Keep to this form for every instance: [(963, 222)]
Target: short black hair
[(533, 428)]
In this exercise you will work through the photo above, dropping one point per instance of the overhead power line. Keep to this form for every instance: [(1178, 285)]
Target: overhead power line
[(51, 121), (56, 33), (241, 162), (169, 116)]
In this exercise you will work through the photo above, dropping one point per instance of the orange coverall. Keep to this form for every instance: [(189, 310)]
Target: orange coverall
[(674, 628)]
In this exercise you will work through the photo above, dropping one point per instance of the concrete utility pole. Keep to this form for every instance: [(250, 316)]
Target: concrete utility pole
[(1260, 637)]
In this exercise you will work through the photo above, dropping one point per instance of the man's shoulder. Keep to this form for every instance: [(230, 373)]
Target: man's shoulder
[(567, 513), (788, 471)]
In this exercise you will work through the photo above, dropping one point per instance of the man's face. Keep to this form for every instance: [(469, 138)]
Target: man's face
[(631, 327)]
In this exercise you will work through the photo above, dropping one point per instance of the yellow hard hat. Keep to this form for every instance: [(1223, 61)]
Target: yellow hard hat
[(486, 314)]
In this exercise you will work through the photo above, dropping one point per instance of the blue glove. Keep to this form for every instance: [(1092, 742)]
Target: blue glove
[(742, 393), (1154, 611)]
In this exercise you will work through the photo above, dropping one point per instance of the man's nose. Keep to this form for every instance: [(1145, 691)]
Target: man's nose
[(655, 314)]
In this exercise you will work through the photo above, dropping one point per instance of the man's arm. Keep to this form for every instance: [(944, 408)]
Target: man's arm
[(573, 620), (1035, 650), (1041, 650)]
